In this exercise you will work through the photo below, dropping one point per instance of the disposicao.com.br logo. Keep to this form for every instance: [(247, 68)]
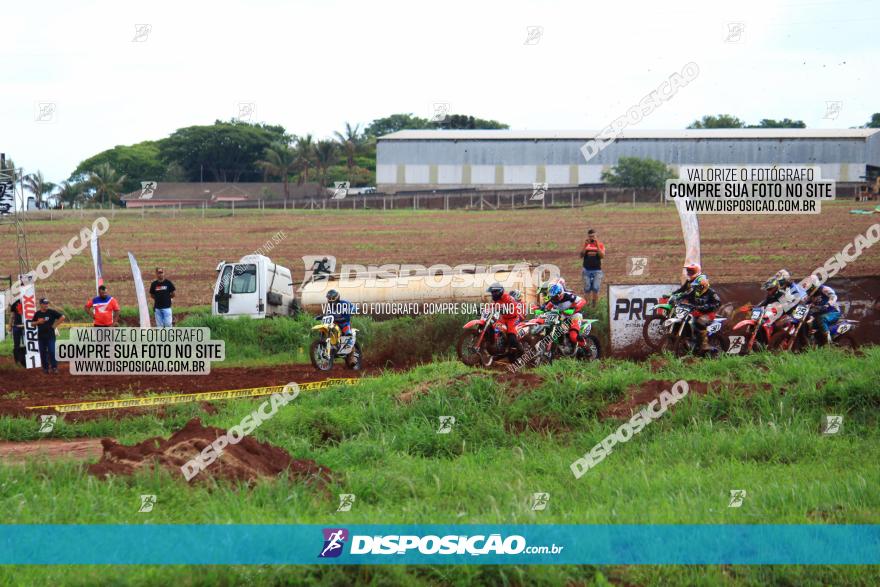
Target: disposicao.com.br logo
[(477, 545)]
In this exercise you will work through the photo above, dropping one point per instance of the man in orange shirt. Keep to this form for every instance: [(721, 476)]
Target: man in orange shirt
[(104, 309), (592, 253)]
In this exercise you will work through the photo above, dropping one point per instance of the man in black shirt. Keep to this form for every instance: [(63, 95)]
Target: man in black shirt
[(162, 291), (47, 320)]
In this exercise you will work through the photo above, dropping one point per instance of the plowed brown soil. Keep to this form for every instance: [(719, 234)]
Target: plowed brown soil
[(248, 461)]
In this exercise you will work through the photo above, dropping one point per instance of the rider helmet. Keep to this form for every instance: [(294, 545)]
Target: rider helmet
[(332, 295), (516, 295), (497, 290), (783, 277), (692, 270), (771, 286), (556, 290), (813, 283), (701, 284)]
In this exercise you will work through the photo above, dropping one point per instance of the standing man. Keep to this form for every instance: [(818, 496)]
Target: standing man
[(17, 325), (104, 309), (162, 291), (47, 320), (592, 253)]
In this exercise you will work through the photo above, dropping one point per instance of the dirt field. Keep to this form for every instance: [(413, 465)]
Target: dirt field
[(64, 388), (734, 247)]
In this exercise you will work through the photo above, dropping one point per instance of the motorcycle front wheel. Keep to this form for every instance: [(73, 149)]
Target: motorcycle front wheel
[(467, 350), (321, 360)]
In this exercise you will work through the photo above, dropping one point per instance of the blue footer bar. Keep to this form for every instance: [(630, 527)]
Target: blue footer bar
[(440, 544)]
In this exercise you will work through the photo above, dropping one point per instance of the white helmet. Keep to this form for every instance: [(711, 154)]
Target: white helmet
[(783, 276)]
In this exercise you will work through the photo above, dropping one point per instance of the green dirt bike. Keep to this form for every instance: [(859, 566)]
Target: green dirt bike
[(548, 339), (653, 331)]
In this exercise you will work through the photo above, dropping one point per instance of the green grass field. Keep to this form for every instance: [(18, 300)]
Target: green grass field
[(742, 435)]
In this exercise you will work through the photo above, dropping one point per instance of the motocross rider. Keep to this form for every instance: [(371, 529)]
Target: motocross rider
[(562, 299), (783, 294), (341, 312), (511, 313), (705, 302), (824, 307), (691, 271)]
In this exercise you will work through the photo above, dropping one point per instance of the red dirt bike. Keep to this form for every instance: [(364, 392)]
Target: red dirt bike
[(484, 339), (548, 339), (757, 329)]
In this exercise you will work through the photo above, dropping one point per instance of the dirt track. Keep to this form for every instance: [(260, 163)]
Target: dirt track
[(43, 389)]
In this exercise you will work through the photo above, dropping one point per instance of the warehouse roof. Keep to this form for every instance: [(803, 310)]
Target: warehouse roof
[(723, 133)]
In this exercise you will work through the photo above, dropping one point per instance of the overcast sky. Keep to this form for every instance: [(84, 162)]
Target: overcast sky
[(312, 66)]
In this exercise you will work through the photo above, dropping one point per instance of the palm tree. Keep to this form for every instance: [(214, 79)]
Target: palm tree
[(69, 192), (36, 184), (305, 156), (106, 182), (280, 160), (352, 142), (325, 156)]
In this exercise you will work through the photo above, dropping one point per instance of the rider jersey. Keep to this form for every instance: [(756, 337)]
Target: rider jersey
[(787, 298), (825, 299), (341, 311), (707, 302), (566, 301)]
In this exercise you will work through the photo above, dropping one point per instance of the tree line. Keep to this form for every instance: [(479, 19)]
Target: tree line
[(240, 151)]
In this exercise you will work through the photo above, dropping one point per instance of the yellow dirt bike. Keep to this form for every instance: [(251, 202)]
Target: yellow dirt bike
[(325, 349)]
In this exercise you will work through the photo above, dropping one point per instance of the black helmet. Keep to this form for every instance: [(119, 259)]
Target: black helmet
[(497, 290), (332, 295)]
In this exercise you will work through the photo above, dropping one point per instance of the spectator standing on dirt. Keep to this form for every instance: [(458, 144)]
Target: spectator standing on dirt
[(16, 325), (47, 320), (592, 253), (162, 292), (104, 309)]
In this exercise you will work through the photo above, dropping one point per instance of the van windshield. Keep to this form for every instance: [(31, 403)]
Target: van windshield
[(245, 279)]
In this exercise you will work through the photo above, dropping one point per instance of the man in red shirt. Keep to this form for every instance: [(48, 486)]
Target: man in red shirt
[(104, 309), (592, 253)]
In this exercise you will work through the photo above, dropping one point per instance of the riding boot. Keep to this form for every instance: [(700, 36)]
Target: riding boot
[(704, 341)]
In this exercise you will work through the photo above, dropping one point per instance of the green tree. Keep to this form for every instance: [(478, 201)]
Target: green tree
[(36, 184), (70, 192), (718, 121), (352, 143), (874, 122), (633, 172), (224, 151), (464, 121), (280, 161), (326, 152), (394, 123), (305, 156), (106, 182), (138, 162), (784, 123)]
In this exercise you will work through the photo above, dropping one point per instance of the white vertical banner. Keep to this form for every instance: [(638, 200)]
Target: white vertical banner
[(96, 260), (690, 229), (143, 310), (28, 299)]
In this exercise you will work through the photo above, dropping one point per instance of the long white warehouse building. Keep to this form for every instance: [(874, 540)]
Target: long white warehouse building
[(411, 160)]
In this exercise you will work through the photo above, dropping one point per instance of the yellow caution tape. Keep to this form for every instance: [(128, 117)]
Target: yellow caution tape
[(204, 396), (64, 325)]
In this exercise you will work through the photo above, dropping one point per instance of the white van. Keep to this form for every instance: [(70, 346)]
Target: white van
[(255, 287)]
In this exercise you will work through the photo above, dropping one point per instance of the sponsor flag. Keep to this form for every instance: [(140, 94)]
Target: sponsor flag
[(690, 229), (28, 297), (96, 258), (143, 311)]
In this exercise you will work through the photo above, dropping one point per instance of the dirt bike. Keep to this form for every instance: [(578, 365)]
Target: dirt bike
[(799, 331), (484, 339), (550, 327), (792, 332), (756, 330), (652, 331), (680, 337), (325, 349)]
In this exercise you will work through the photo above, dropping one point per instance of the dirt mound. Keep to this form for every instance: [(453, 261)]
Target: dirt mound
[(248, 461), (643, 394), (407, 397)]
